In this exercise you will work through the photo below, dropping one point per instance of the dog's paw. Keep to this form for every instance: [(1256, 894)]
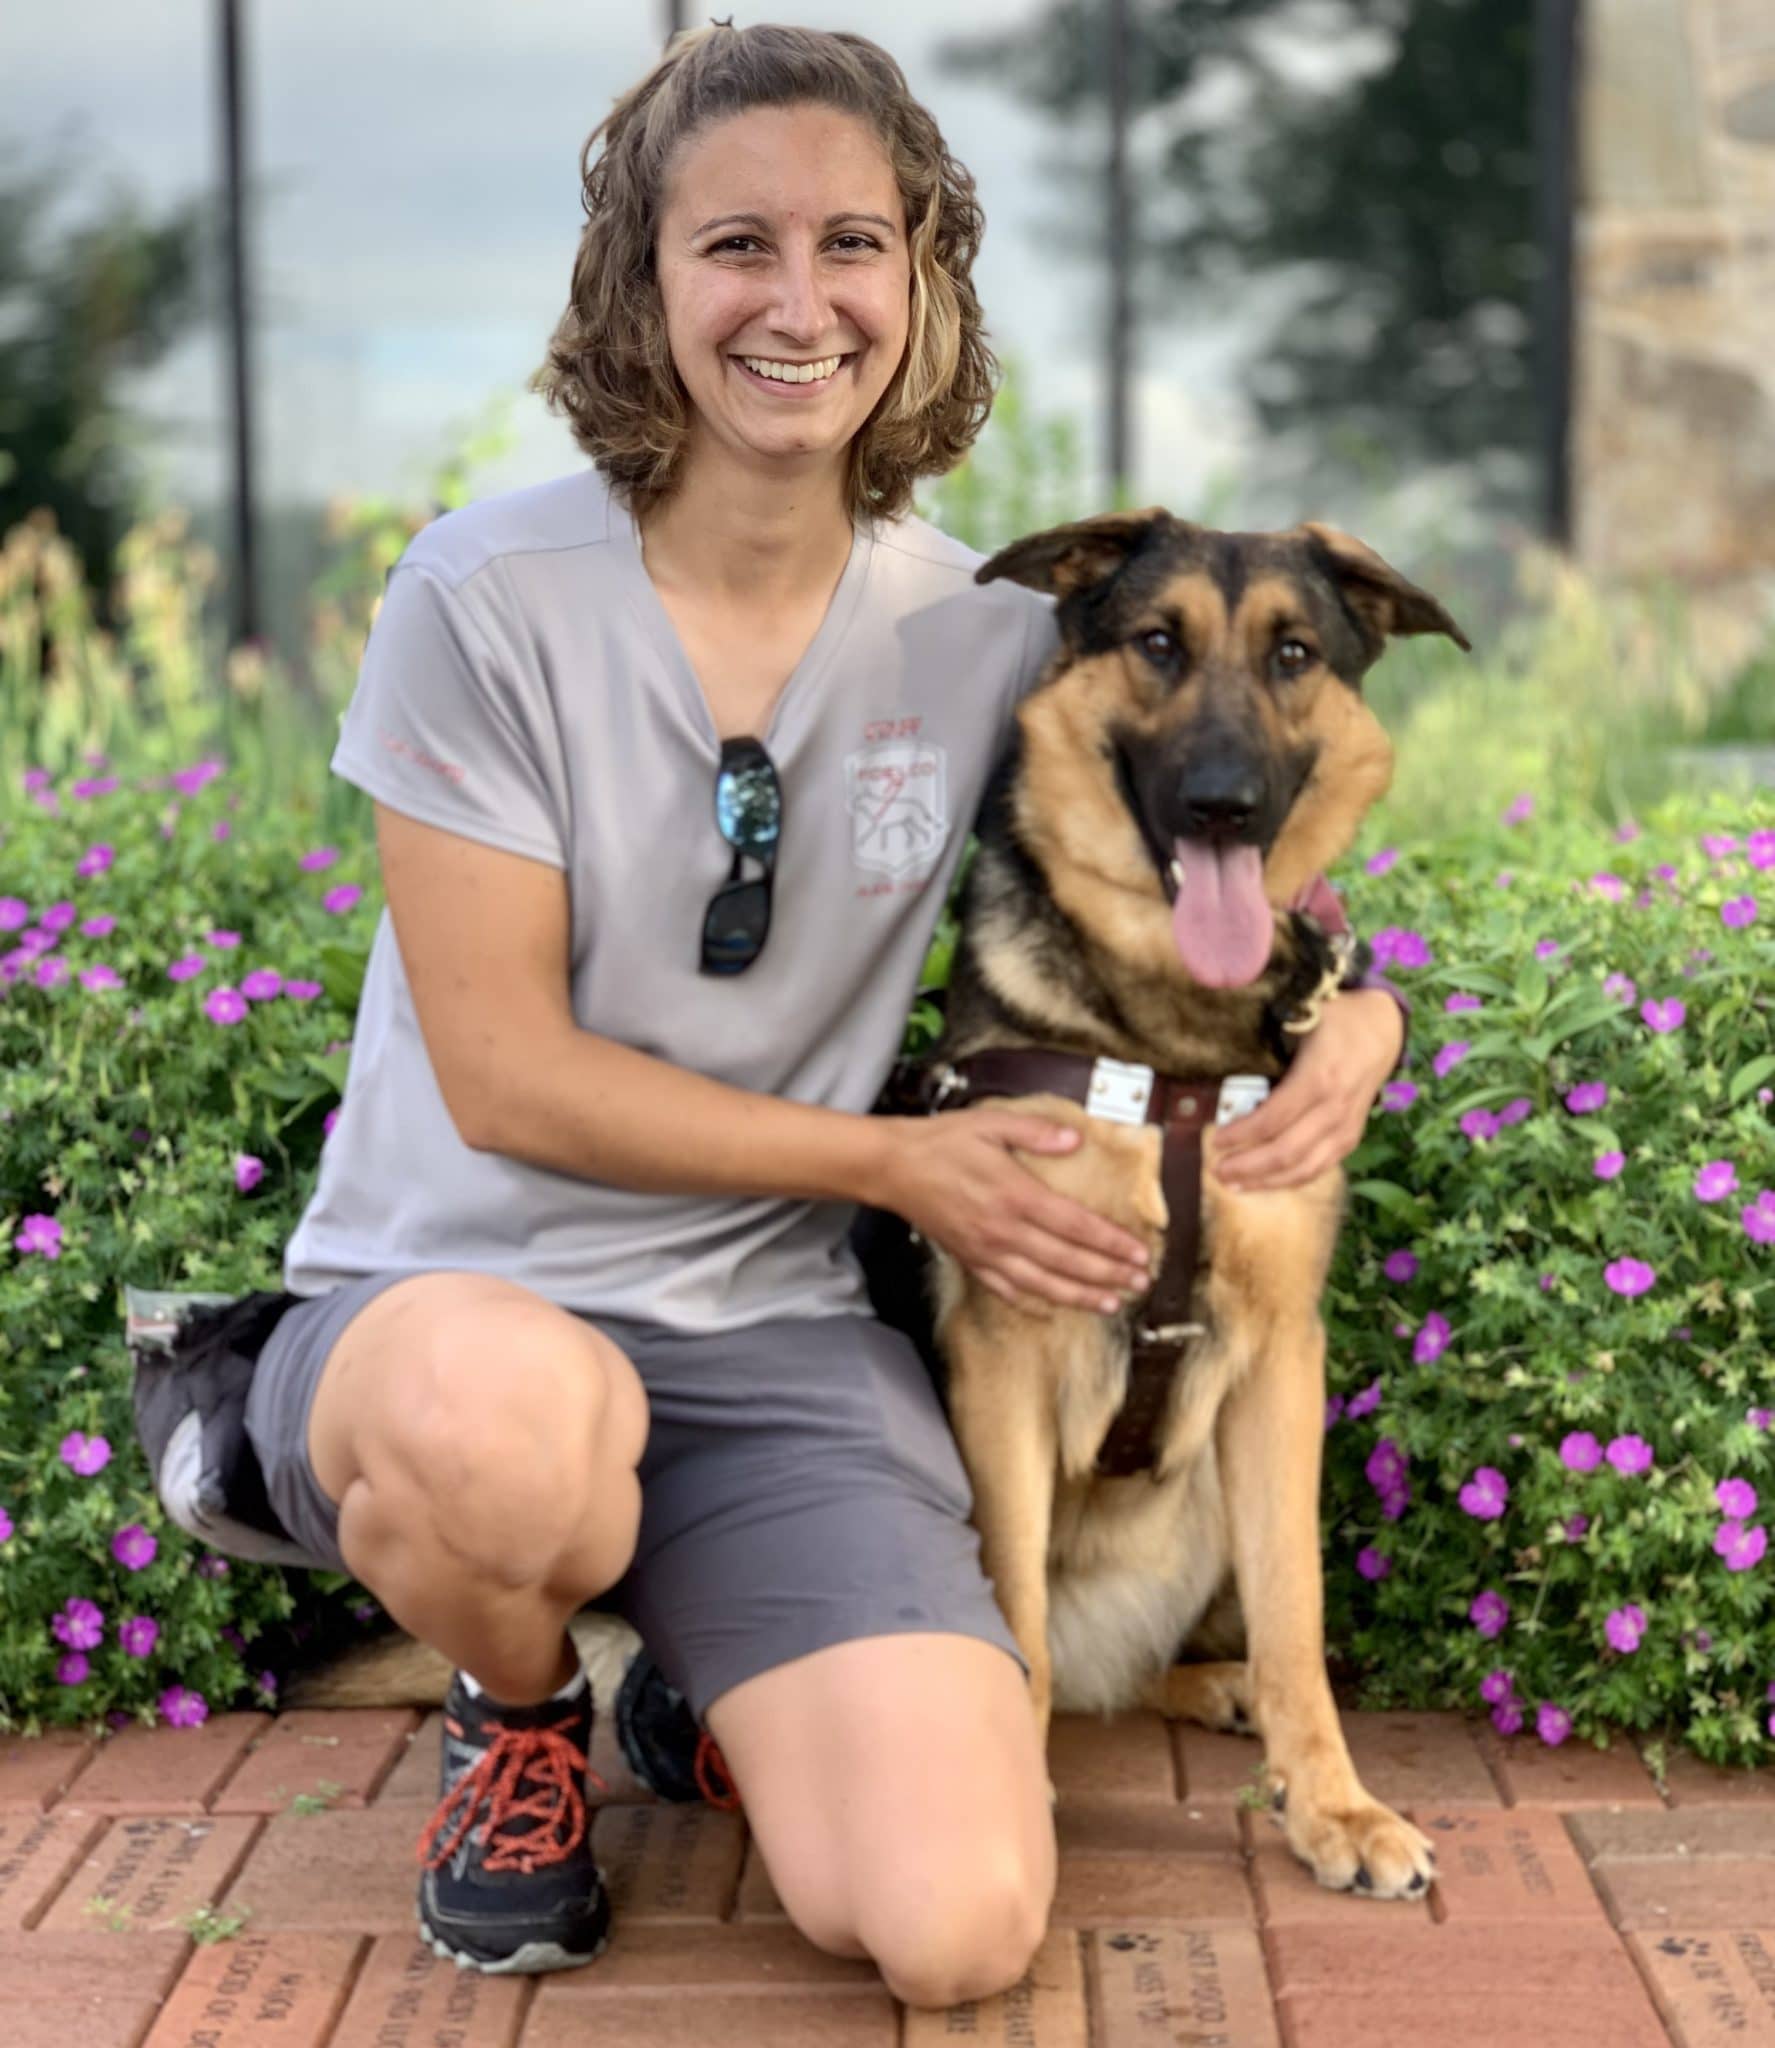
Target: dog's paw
[(1365, 1849)]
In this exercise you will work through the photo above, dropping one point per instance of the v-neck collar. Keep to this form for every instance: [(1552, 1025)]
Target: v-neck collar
[(815, 658)]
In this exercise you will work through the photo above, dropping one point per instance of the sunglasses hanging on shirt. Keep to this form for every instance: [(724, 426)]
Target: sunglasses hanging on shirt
[(749, 816)]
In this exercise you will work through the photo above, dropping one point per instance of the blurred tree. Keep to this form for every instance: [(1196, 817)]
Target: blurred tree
[(78, 310), (1373, 157)]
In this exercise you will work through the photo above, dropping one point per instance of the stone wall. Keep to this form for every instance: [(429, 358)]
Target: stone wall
[(1673, 429)]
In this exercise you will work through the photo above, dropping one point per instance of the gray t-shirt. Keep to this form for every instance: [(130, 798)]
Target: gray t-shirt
[(524, 686)]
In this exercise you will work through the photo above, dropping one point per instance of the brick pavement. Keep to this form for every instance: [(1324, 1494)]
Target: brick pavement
[(250, 1884)]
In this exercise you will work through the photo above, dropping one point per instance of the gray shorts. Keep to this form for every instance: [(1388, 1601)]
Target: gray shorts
[(800, 1487)]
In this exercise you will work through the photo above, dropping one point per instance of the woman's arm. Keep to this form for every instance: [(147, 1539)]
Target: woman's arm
[(484, 938)]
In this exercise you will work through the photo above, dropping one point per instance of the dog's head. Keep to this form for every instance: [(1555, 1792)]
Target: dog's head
[(1202, 739)]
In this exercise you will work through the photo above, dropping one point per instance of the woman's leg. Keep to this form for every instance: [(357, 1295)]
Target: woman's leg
[(481, 1446), (896, 1791)]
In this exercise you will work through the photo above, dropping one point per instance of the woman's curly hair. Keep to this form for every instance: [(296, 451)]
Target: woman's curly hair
[(609, 368)]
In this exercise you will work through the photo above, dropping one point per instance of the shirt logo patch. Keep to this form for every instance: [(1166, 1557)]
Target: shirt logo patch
[(895, 792)]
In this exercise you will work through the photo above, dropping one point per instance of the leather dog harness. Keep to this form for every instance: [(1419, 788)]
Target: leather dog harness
[(1182, 1106)]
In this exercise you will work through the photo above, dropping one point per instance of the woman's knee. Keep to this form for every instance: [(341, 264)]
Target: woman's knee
[(970, 1930)]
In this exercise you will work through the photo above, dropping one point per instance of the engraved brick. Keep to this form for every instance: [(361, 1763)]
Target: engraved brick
[(37, 1853), (1141, 1828), (1128, 1757), (1468, 1959), (1507, 1867), (1180, 1987), (1574, 1774), (1288, 1894), (1690, 1782), (144, 1876), (35, 1770), (258, 1991), (409, 1997), (1428, 1760), (414, 1778), (1704, 1831), (757, 1896), (690, 1958), (167, 1770), (761, 2019), (1714, 1989), (349, 1872), (1689, 1896), (87, 1988), (1120, 1889), (337, 1755), (1044, 2009), (1391, 2016), (669, 1862)]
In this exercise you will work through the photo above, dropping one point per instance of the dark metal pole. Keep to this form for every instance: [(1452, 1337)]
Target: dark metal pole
[(1556, 115), (244, 611), (1119, 243)]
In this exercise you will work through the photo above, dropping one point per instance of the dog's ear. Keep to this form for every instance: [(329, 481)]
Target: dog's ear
[(1380, 597), (1071, 558)]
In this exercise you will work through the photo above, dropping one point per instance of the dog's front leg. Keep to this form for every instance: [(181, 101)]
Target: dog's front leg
[(1001, 1404), (1270, 1435)]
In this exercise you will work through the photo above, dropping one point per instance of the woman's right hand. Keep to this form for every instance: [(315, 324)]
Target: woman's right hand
[(956, 1179)]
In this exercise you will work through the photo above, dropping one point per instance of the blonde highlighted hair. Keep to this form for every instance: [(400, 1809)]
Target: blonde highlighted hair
[(609, 369)]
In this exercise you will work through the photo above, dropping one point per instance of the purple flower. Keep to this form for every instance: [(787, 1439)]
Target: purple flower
[(1608, 1165), (210, 1566), (1760, 1418), (1450, 1056), (1394, 1501), (1738, 911), (1586, 1096), (1386, 1467), (1364, 1403), (40, 1234), (1372, 1563), (1504, 879), (1665, 1015), (6, 1526), (1546, 1283), (1520, 811), (1716, 845), (324, 857), (221, 829), (1760, 849), (1630, 1456), (1621, 986), (248, 1172), (1546, 949), (180, 1707), (79, 1624), (224, 1006), (99, 927), (58, 917), (1506, 1716), (138, 1635), (1334, 1409), (1462, 1000), (224, 942), (1496, 1687), (1628, 1277), (1486, 1494), (1758, 1219), (1610, 887), (1514, 1112), (1717, 1179), (1479, 1124), (73, 1669), (1432, 1340), (1400, 1266), (1552, 1724), (1580, 1452), (302, 991), (341, 899), (96, 859), (1490, 1613), (1398, 1095), (15, 913), (100, 785), (1737, 1498), (1627, 833), (134, 1548), (100, 977), (1624, 1627), (1577, 1527), (50, 973), (1739, 1546), (85, 1454), (328, 1121), (184, 969), (188, 781), (262, 984)]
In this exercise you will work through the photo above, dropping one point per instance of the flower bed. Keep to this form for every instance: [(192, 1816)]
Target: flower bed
[(1550, 1466)]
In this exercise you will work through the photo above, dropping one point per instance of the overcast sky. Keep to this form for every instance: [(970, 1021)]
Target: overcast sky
[(418, 162)]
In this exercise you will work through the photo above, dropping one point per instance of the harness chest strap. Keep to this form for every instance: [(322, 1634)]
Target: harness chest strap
[(1183, 1106)]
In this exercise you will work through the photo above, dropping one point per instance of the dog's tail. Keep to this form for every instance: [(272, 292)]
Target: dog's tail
[(395, 1671)]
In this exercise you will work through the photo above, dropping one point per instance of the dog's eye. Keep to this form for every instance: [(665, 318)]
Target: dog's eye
[(1293, 657), (1160, 646)]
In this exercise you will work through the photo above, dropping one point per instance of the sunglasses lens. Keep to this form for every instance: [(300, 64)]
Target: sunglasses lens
[(748, 802), (734, 927)]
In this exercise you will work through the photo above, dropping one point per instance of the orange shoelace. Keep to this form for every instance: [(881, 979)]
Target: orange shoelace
[(713, 1779), (556, 1771)]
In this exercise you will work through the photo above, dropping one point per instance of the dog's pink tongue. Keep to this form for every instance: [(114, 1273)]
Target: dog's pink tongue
[(1221, 920)]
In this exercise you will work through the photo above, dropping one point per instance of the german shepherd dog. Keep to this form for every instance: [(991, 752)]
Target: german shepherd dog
[(1197, 752)]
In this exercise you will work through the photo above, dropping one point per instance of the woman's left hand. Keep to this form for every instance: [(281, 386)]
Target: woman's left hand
[(1314, 1116)]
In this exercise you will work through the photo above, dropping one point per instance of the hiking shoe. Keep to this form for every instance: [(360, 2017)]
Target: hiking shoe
[(509, 1885), (662, 1744)]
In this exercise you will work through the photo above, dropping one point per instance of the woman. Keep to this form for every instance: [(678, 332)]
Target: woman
[(673, 762)]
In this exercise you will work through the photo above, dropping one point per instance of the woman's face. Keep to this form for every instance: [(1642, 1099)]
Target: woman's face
[(783, 266)]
